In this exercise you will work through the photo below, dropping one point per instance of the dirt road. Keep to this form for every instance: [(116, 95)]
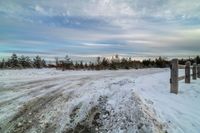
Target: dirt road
[(79, 102)]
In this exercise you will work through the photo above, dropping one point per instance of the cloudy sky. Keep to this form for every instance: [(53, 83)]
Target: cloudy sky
[(100, 27)]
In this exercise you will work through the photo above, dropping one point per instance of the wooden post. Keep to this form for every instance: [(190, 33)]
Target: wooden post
[(187, 72), (198, 71), (194, 71), (174, 76)]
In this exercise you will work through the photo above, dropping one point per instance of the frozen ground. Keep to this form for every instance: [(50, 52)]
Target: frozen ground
[(180, 112), (124, 101)]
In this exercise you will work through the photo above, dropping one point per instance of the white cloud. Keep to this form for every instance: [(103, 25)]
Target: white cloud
[(108, 8), (97, 44), (40, 9), (140, 24)]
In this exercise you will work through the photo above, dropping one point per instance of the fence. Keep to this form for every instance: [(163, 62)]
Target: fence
[(174, 79)]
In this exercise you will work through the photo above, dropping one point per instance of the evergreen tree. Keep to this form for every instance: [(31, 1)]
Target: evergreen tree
[(81, 65), (76, 65), (67, 62), (44, 63), (113, 66), (3, 64), (105, 63), (22, 61), (197, 60), (98, 60), (14, 63), (124, 64), (98, 64), (37, 62), (86, 66), (161, 63), (29, 63), (91, 66)]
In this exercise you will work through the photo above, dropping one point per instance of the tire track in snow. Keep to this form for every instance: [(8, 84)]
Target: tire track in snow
[(37, 104), (21, 121), (59, 97), (33, 89)]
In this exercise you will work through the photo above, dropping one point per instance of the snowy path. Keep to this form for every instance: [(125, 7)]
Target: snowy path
[(124, 101), (55, 101)]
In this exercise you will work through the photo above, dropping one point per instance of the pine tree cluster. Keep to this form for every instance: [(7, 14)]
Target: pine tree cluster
[(15, 62), (111, 64), (192, 60)]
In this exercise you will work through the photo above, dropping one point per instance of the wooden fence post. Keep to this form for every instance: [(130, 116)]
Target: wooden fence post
[(187, 72), (198, 71), (174, 76), (194, 71)]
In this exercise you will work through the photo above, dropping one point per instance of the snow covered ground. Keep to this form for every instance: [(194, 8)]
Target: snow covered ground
[(180, 112), (124, 101)]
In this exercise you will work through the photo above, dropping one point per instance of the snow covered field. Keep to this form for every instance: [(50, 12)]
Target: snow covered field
[(180, 112), (124, 101)]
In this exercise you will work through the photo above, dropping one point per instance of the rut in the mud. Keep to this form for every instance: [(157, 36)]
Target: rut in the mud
[(76, 105), (102, 119), (91, 122), (27, 116), (32, 92)]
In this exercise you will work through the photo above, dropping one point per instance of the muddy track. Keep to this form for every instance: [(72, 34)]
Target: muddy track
[(87, 125), (30, 84), (74, 105), (31, 92), (26, 116), (36, 87)]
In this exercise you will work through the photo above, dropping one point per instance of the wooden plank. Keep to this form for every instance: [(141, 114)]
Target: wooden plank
[(198, 71), (187, 72), (194, 71), (174, 76)]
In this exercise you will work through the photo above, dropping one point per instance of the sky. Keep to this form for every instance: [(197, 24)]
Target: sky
[(100, 27)]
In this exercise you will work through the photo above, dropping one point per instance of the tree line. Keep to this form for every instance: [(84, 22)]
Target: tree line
[(192, 60), (15, 62)]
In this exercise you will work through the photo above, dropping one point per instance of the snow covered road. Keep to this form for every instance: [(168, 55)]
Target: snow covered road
[(124, 101)]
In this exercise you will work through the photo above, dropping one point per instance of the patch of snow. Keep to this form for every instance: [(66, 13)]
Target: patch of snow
[(180, 112)]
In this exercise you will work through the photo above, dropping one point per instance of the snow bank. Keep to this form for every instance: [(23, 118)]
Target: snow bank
[(180, 112)]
